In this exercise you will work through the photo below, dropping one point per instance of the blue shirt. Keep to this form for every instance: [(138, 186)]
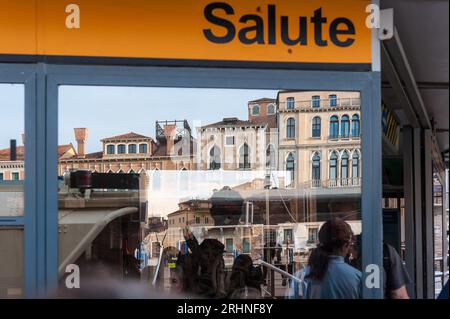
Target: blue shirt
[(341, 281), (444, 292)]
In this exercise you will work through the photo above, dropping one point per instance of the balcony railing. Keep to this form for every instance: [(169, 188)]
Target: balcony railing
[(337, 182), (321, 104), (315, 183), (344, 182)]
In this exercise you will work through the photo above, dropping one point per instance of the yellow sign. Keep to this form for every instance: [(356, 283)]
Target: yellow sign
[(301, 31)]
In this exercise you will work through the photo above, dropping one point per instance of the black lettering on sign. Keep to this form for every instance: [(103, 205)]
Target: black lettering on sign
[(258, 28), (334, 32), (252, 29), (231, 31)]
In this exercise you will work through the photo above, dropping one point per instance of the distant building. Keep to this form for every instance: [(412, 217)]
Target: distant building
[(15, 169), (192, 212), (320, 138), (134, 153), (234, 144)]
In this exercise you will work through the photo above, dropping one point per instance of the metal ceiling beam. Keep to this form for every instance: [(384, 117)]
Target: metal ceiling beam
[(389, 71), (394, 49)]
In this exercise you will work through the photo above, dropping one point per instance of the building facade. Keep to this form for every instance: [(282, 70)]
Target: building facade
[(134, 153), (234, 144), (319, 142)]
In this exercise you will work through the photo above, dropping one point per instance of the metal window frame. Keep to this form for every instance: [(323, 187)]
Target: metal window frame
[(25, 74), (42, 82)]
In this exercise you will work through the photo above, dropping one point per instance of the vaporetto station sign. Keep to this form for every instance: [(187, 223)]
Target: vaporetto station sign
[(282, 32)]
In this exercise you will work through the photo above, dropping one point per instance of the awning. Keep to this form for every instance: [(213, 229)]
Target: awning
[(78, 229)]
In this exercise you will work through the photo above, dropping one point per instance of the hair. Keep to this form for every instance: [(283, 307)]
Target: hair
[(333, 235), (241, 270)]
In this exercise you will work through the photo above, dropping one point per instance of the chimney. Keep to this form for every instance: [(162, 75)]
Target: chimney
[(170, 131), (81, 136), (12, 150)]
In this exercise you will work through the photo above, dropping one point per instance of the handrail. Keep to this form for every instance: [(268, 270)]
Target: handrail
[(278, 270)]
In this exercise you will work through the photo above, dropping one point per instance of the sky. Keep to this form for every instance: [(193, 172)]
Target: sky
[(108, 111), (12, 121)]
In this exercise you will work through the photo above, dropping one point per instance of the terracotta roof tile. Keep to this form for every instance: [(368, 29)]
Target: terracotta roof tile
[(264, 99), (233, 121), (64, 148), (269, 120), (130, 135)]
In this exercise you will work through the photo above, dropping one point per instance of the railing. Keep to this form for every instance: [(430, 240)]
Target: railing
[(321, 104), (315, 183), (344, 182), (273, 269)]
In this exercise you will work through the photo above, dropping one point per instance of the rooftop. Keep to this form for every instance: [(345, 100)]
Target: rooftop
[(232, 121), (127, 136)]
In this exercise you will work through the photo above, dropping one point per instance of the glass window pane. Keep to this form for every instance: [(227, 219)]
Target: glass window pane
[(218, 186), (11, 262), (12, 149)]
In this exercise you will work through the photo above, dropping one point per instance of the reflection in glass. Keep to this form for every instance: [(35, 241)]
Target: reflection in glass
[(12, 149), (290, 128), (334, 127), (355, 125), (214, 161), (333, 166), (316, 127), (345, 126), (229, 202)]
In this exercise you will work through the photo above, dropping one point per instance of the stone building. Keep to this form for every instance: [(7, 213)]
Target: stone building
[(134, 153), (234, 144), (319, 138)]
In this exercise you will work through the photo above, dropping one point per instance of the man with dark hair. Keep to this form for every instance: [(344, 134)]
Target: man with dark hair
[(396, 276)]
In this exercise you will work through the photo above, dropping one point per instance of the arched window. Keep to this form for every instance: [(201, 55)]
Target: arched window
[(143, 148), (316, 167), (156, 179), (255, 110), (214, 158), (132, 149), (271, 109), (110, 149), (344, 165), (183, 179), (131, 171), (355, 165), (333, 166), (316, 127), (290, 128), (120, 171), (355, 125), (334, 127), (345, 126), (290, 168), (121, 149), (244, 157), (109, 171), (271, 157)]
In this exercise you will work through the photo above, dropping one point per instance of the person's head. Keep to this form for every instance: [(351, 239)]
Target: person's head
[(177, 280), (210, 250), (335, 238), (243, 263)]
